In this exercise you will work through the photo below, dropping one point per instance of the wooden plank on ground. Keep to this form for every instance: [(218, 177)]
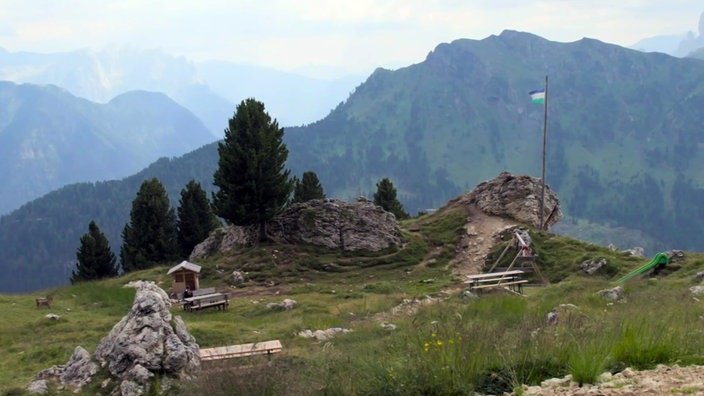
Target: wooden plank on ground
[(242, 350)]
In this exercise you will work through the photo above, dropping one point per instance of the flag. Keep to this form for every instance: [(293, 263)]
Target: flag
[(537, 96)]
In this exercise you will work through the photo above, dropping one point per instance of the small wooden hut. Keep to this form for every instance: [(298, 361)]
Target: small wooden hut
[(185, 276)]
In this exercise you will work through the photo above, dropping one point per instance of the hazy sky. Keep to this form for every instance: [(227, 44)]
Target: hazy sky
[(355, 35)]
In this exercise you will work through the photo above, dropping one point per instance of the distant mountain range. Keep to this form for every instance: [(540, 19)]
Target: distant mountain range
[(624, 146), (50, 138), (681, 45), (100, 76), (209, 89)]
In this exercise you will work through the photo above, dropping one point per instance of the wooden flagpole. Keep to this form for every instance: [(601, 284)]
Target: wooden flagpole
[(545, 139)]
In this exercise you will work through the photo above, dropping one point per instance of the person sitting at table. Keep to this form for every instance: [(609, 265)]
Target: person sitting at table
[(187, 293)]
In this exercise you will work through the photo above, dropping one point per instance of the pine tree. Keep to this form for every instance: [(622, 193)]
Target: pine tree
[(254, 187), (308, 188), (95, 259), (385, 196), (149, 239), (195, 218)]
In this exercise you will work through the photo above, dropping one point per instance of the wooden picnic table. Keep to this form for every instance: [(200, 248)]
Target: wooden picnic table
[(511, 279), (217, 300)]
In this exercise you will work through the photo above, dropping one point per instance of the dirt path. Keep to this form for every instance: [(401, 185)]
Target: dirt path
[(482, 232)]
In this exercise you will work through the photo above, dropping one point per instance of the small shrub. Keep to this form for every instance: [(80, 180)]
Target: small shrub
[(644, 345), (587, 363)]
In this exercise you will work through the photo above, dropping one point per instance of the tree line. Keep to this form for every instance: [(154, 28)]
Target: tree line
[(253, 188)]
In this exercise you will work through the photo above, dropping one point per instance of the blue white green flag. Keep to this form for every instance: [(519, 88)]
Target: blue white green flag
[(537, 96)]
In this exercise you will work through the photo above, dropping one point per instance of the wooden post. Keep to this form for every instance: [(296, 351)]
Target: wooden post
[(545, 137)]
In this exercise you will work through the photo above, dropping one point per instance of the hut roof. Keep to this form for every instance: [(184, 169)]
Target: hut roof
[(185, 265)]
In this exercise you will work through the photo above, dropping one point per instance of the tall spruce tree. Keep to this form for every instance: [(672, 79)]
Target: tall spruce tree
[(149, 239), (254, 187), (95, 259), (385, 196), (195, 217), (307, 188)]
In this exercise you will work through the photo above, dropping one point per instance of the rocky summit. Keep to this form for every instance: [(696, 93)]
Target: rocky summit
[(516, 197)]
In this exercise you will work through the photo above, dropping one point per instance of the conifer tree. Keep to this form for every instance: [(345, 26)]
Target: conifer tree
[(254, 187), (385, 196), (149, 239), (195, 218), (95, 259), (308, 188)]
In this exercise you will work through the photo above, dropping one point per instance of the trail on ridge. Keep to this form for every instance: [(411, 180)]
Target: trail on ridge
[(482, 232)]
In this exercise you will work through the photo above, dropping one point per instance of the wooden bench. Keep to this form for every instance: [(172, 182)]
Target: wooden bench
[(510, 279), (233, 351), (44, 301), (217, 300), (199, 292)]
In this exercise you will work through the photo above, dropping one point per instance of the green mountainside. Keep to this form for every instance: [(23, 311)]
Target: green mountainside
[(50, 138), (624, 140), (624, 130)]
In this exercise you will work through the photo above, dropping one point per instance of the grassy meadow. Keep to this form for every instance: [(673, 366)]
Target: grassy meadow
[(455, 346)]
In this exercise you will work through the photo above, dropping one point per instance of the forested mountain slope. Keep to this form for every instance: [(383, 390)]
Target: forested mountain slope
[(38, 242)]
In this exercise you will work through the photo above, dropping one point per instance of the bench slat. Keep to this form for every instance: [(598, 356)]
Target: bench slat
[(501, 284), (486, 280), (495, 274)]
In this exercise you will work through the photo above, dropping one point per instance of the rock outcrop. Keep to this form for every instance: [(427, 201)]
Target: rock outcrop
[(517, 197), (76, 373), (332, 223), (615, 294), (149, 341), (285, 305), (592, 266), (323, 335)]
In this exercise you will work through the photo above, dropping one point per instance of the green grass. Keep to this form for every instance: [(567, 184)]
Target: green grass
[(457, 346)]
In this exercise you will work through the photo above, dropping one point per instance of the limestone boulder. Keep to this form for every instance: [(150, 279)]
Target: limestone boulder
[(592, 266), (332, 223), (337, 224), (149, 341), (76, 373), (517, 197), (145, 344), (614, 294)]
